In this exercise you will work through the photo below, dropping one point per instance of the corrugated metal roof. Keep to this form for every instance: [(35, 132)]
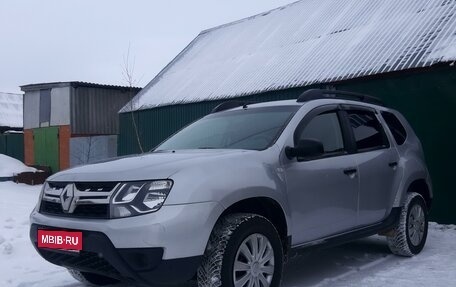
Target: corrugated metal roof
[(11, 110), (94, 111), (304, 43), (74, 84)]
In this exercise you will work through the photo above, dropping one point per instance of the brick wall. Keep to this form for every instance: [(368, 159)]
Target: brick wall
[(64, 147), (29, 156)]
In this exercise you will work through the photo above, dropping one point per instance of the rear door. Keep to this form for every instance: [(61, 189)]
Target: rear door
[(377, 161), (323, 191)]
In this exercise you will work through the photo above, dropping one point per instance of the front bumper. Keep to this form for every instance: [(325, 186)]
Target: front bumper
[(181, 230), (157, 248), (138, 265)]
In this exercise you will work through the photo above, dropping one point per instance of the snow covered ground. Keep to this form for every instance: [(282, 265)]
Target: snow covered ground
[(10, 166), (365, 262)]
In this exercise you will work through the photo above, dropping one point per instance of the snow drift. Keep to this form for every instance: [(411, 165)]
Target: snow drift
[(10, 166)]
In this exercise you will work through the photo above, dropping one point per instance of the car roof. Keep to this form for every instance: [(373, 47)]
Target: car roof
[(275, 104), (315, 96), (316, 102)]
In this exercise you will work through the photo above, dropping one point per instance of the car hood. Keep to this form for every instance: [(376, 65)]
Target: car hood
[(157, 165)]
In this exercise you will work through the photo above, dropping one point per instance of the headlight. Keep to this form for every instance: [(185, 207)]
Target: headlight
[(135, 198)]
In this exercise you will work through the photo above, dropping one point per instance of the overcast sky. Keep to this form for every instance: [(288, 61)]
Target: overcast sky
[(86, 40)]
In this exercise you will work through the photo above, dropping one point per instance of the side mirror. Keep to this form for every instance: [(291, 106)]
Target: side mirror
[(306, 148)]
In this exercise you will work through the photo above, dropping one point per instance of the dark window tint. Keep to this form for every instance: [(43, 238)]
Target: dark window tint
[(367, 130), (326, 129), (395, 126)]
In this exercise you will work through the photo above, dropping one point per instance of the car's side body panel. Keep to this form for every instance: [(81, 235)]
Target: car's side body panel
[(377, 179), (322, 196), (378, 174), (384, 176), (237, 177), (323, 199), (412, 162)]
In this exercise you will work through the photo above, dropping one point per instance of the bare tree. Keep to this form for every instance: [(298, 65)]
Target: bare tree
[(89, 149), (128, 69), (83, 150)]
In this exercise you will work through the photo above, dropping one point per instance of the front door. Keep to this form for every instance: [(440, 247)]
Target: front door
[(323, 192)]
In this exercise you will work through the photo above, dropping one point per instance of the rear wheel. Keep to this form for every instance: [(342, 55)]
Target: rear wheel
[(409, 236), (244, 250), (92, 278)]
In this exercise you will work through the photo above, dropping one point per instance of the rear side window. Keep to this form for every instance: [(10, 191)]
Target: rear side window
[(367, 130), (396, 127)]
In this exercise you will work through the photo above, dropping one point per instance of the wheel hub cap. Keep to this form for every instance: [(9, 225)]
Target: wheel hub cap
[(254, 262), (255, 269), (416, 224)]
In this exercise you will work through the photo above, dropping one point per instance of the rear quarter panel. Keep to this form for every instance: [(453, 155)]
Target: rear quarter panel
[(412, 162)]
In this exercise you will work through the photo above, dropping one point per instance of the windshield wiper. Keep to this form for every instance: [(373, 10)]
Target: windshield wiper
[(208, 147)]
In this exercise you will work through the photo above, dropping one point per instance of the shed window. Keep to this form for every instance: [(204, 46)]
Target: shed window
[(45, 107), (396, 127)]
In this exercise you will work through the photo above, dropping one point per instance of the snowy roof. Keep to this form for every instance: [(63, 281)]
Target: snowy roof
[(304, 43), (74, 84), (11, 110)]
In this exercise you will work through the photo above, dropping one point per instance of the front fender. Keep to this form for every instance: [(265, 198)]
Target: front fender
[(230, 181)]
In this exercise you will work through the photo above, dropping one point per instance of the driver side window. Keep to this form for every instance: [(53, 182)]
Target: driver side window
[(326, 129)]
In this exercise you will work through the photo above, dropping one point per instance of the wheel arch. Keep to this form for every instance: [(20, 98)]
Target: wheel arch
[(421, 187), (266, 207), (416, 178)]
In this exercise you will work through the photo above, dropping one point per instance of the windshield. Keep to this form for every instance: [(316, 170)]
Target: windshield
[(252, 129)]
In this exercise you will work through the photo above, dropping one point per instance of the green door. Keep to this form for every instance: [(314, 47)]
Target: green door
[(3, 144), (47, 147)]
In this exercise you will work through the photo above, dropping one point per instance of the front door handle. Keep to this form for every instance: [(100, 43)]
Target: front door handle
[(393, 164), (351, 172)]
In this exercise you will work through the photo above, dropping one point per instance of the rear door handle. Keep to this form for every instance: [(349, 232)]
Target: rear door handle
[(351, 172), (393, 164)]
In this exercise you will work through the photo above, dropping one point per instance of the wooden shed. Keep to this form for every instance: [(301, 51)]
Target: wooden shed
[(71, 123)]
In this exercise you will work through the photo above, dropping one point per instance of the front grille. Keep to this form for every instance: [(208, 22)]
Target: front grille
[(85, 199), (95, 186), (86, 186), (88, 261), (95, 211)]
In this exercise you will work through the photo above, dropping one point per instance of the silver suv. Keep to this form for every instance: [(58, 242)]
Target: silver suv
[(225, 200)]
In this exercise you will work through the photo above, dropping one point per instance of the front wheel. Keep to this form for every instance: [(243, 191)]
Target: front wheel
[(243, 250), (409, 236)]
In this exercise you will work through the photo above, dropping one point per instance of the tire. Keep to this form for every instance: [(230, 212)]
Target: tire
[(92, 279), (227, 245), (406, 240)]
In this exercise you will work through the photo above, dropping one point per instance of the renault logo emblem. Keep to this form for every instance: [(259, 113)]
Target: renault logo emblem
[(67, 199)]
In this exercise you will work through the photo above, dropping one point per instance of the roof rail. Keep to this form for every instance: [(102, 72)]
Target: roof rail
[(315, 94), (229, 105)]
